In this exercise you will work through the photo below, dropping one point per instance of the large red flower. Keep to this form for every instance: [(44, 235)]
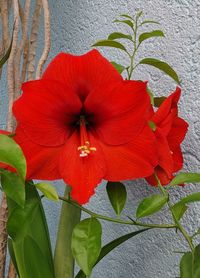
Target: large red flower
[(82, 122), (170, 130)]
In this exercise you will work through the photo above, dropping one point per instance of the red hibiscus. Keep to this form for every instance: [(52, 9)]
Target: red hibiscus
[(170, 130), (83, 123)]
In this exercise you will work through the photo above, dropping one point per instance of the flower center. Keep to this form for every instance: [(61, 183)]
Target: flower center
[(85, 148)]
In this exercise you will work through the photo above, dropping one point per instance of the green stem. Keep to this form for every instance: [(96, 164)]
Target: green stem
[(63, 259), (117, 220)]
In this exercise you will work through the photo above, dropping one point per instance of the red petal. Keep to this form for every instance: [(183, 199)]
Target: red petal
[(166, 107), (42, 162), (45, 111), (165, 155), (83, 174), (120, 110), (84, 72), (177, 133), (178, 159), (162, 175), (135, 159)]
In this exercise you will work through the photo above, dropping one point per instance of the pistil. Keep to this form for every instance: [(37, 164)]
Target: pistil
[(85, 148)]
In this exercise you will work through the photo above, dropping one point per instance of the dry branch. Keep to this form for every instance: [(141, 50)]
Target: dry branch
[(47, 38)]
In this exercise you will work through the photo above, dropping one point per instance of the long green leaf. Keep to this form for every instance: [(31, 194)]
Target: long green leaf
[(86, 243), (186, 178), (110, 246), (118, 67), (127, 22), (36, 233), (110, 43), (48, 190), (13, 186), (149, 22), (151, 205), (148, 35), (189, 265), (126, 16), (163, 66), (117, 195), (11, 154), (118, 35)]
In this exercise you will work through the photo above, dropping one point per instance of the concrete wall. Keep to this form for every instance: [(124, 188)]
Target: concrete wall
[(76, 25)]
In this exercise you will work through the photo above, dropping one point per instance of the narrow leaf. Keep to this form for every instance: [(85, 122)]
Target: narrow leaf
[(194, 197), (86, 243), (11, 154), (186, 265), (178, 210), (13, 186), (163, 66), (48, 190), (151, 205), (148, 35), (118, 67), (117, 35), (117, 195), (111, 246), (126, 16), (186, 178), (149, 22), (110, 43), (127, 22)]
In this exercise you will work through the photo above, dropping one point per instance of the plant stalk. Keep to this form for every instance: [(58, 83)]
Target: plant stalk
[(63, 258)]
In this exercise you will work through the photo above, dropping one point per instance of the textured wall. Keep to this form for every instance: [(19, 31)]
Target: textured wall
[(76, 24)]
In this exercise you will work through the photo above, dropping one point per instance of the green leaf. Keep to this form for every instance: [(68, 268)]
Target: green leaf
[(185, 178), (110, 246), (126, 16), (186, 265), (110, 43), (19, 220), (117, 195), (151, 205), (190, 266), (117, 35), (127, 22), (149, 22), (86, 243), (34, 246), (150, 95), (194, 197), (158, 101), (118, 67), (13, 186), (163, 66), (48, 190), (148, 35), (178, 210), (11, 154)]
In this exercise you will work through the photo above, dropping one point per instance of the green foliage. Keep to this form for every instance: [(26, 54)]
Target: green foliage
[(127, 22), (29, 245), (118, 35), (86, 243), (48, 190), (158, 101), (118, 67), (178, 210), (148, 35), (163, 66), (190, 264), (13, 186), (11, 154), (111, 246), (185, 178), (117, 195), (151, 205), (110, 43)]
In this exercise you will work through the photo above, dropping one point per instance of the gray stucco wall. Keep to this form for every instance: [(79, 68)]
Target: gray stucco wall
[(77, 24)]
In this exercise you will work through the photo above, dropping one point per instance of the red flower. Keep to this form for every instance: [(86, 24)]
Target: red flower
[(170, 130), (82, 122)]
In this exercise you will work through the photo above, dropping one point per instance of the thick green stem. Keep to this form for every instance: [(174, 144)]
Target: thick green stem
[(63, 259)]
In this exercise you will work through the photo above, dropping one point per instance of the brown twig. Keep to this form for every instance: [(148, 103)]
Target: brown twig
[(33, 40), (11, 271), (47, 39), (5, 25)]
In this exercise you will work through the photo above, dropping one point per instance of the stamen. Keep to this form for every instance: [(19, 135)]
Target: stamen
[(85, 149)]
